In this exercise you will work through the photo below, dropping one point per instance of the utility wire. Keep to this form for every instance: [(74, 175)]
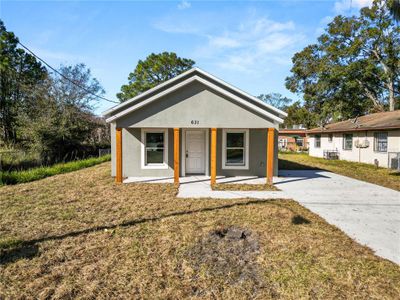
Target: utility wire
[(65, 77)]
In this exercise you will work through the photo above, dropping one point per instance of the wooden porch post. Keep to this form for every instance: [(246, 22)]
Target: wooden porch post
[(213, 155), (118, 153), (270, 155), (176, 155)]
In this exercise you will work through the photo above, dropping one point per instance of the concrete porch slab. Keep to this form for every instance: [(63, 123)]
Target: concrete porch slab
[(197, 178)]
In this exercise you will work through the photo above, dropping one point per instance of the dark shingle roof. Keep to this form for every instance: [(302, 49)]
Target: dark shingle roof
[(377, 121)]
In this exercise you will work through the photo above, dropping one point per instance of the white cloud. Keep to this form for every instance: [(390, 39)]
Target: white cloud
[(184, 5), (344, 6), (251, 44), (275, 42)]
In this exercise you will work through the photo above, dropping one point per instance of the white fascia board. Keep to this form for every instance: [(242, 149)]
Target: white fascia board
[(281, 112), (156, 88), (205, 82)]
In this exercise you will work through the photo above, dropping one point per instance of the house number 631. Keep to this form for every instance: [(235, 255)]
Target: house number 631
[(195, 122)]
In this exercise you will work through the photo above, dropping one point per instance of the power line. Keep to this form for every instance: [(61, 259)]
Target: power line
[(65, 77)]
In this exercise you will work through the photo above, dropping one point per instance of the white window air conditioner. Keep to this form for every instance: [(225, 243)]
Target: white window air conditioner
[(362, 143)]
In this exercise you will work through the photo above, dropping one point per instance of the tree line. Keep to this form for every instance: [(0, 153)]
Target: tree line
[(42, 111)]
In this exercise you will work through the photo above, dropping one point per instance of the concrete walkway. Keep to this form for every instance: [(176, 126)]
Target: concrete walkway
[(368, 213)]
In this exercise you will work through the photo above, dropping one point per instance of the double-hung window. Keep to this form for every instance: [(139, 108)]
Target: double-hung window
[(317, 141), (347, 141), (380, 141), (154, 149), (235, 149)]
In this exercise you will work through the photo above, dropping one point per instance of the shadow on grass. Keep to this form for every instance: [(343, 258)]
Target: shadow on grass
[(290, 165), (23, 251), (298, 220), (29, 249)]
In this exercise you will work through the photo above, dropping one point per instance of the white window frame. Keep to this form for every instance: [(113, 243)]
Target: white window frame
[(378, 135), (315, 141), (246, 149), (162, 166), (344, 141)]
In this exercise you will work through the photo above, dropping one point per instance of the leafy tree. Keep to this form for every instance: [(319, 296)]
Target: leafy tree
[(276, 100), (61, 121), (353, 69), (298, 114), (155, 69), (395, 9), (18, 72)]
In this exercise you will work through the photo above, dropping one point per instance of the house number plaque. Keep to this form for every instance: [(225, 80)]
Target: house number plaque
[(195, 122)]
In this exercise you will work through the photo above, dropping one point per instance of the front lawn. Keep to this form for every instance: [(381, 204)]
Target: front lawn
[(79, 235), (380, 176)]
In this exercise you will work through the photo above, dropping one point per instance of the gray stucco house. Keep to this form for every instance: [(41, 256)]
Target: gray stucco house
[(194, 123)]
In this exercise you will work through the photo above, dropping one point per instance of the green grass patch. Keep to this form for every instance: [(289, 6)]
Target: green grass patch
[(16, 177)]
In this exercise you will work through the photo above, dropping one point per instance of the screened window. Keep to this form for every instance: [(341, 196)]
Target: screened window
[(299, 142), (317, 141), (235, 149), (380, 141), (347, 141), (154, 148), (330, 137)]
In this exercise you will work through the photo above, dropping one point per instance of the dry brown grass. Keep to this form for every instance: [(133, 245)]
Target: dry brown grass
[(79, 235), (243, 187)]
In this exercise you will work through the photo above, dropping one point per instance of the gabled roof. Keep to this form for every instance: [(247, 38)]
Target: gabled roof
[(186, 78), (376, 121)]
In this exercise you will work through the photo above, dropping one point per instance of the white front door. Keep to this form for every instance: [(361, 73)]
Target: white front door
[(195, 151)]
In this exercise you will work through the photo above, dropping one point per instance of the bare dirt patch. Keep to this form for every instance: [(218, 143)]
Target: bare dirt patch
[(229, 253)]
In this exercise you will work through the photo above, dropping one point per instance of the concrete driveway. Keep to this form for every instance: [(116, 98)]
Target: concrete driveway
[(368, 213)]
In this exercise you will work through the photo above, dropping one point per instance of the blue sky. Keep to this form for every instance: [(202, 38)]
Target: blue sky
[(246, 43)]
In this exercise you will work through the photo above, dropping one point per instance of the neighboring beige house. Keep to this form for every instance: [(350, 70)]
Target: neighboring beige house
[(372, 139), (194, 123)]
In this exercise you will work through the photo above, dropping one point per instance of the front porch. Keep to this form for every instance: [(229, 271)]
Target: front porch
[(205, 152)]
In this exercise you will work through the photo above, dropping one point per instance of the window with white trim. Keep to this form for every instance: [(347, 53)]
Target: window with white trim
[(154, 148), (317, 141), (235, 149), (380, 141), (347, 141)]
